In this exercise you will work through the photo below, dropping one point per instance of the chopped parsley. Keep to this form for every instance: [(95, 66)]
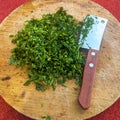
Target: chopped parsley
[(48, 49)]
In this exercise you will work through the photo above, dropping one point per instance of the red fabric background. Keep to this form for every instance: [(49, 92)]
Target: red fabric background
[(8, 113)]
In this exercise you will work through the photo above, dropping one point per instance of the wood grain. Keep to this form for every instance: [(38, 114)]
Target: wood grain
[(61, 104), (88, 78)]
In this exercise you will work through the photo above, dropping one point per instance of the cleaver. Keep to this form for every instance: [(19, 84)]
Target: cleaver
[(92, 44)]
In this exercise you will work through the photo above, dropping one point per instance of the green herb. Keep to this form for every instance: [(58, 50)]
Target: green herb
[(87, 25), (48, 49), (46, 117)]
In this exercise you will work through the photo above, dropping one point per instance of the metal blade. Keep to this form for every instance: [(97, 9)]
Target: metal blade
[(94, 37)]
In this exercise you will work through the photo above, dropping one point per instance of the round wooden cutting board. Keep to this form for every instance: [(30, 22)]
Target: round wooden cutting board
[(61, 104)]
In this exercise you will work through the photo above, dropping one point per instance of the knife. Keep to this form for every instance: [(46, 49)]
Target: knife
[(92, 44)]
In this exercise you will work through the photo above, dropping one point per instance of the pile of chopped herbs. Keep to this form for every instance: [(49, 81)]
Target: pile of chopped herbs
[(48, 49)]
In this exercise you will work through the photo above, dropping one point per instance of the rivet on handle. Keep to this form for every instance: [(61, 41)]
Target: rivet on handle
[(93, 53), (91, 65)]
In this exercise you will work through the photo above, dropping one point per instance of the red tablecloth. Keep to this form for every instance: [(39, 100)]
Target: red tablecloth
[(8, 113)]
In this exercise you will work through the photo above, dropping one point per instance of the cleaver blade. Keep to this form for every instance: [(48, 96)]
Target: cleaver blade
[(92, 43)]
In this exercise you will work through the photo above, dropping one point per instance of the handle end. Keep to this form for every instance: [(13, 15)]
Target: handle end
[(85, 105)]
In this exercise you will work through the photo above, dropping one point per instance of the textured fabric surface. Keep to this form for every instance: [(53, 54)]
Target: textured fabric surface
[(8, 113), (111, 5)]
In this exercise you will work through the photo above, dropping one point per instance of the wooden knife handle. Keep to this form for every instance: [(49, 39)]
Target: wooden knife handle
[(88, 78)]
